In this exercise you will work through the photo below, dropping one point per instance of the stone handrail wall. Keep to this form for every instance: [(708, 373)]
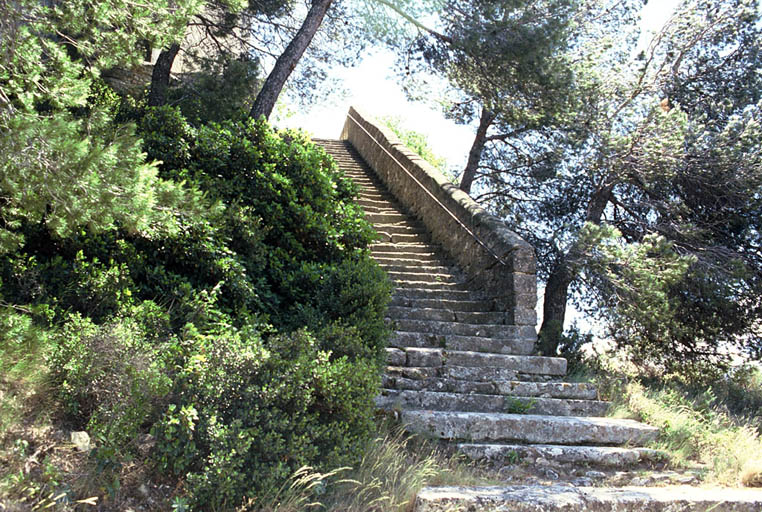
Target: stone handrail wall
[(505, 269)]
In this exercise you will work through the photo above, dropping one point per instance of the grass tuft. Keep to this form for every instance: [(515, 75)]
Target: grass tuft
[(694, 431)]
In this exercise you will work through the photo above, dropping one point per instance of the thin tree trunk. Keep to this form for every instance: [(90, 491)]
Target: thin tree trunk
[(265, 102), (160, 76), (475, 155), (554, 308), (561, 277)]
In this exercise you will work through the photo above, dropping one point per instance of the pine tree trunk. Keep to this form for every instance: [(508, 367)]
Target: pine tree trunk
[(561, 277), (554, 308), (265, 102), (475, 154), (160, 76)]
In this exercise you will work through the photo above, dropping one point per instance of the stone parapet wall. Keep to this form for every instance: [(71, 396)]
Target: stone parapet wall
[(505, 271)]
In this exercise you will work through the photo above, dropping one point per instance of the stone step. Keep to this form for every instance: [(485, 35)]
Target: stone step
[(517, 346), (411, 258), (452, 305), (380, 209), (386, 218), (471, 374), (434, 357), (375, 195), (403, 238), (428, 285), (406, 248), (431, 294), (392, 399), (402, 228), (604, 456), (422, 268), (559, 498), (374, 203), (528, 428), (578, 391), (447, 315), (466, 329), (425, 277)]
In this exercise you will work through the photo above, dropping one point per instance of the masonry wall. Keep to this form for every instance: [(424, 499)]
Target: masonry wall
[(505, 269)]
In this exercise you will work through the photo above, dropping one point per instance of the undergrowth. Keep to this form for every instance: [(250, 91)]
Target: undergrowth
[(709, 423), (393, 468)]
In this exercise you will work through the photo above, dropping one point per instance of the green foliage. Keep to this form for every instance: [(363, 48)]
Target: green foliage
[(693, 429), (415, 141), (180, 324), (113, 376), (62, 161), (222, 89), (250, 413)]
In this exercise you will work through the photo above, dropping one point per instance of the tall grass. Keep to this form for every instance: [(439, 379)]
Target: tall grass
[(696, 431), (394, 467)]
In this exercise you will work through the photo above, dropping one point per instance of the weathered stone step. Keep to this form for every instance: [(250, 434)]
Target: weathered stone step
[(608, 456), (528, 428), (407, 248), (424, 293), (444, 401), (453, 305), (415, 267), (400, 228), (465, 329), (559, 498), (472, 374), (515, 346), (408, 258), (386, 218), (414, 274), (433, 357), (374, 203), (428, 285), (375, 195), (447, 315), (403, 238), (579, 391)]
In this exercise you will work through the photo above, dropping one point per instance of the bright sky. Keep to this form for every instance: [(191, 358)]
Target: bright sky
[(373, 88)]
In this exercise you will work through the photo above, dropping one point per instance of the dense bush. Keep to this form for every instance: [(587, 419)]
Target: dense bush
[(246, 332), (251, 412)]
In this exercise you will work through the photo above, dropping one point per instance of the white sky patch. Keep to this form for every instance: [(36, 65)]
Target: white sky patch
[(373, 88)]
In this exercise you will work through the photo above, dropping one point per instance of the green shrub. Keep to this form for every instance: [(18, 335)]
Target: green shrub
[(111, 378), (249, 413)]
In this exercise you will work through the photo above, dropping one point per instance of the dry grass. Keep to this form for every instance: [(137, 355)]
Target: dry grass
[(695, 432), (393, 469)]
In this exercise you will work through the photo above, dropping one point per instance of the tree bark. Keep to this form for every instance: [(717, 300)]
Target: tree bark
[(561, 277), (475, 154), (265, 102), (160, 76)]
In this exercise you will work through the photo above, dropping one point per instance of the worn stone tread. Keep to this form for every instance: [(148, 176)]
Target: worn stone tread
[(465, 329), (442, 314), (425, 357), (408, 381), (393, 399), (603, 456), (527, 428), (509, 346), (594, 499)]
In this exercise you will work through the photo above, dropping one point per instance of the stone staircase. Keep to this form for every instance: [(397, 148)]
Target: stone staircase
[(459, 371)]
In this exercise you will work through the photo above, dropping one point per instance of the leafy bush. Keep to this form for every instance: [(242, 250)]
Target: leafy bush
[(112, 375), (247, 331), (250, 412)]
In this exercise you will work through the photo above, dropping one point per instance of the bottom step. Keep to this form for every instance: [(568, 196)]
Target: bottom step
[(528, 428), (600, 499), (608, 456)]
